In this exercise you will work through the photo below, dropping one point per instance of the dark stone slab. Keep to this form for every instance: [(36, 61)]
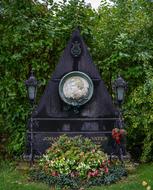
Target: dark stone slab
[(53, 117), (43, 140), (73, 124)]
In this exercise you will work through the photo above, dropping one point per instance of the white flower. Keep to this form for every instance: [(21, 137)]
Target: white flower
[(149, 187)]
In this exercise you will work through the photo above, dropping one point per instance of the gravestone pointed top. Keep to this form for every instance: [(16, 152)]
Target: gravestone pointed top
[(75, 57)]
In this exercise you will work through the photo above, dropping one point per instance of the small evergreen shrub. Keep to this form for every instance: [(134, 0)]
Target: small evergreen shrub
[(76, 162)]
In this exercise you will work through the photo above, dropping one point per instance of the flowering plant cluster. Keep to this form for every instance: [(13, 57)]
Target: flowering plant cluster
[(76, 162), (118, 134), (146, 185), (76, 157)]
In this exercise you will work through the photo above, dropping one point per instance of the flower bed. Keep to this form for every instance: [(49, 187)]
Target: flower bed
[(76, 162)]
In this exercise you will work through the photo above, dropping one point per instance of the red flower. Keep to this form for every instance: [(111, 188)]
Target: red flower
[(123, 132), (109, 161), (89, 174), (93, 173), (106, 170), (117, 134), (54, 173)]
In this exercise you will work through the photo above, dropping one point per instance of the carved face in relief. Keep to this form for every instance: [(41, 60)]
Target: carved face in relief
[(75, 88)]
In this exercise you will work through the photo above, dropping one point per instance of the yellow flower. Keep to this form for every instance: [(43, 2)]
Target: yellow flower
[(144, 183), (148, 187)]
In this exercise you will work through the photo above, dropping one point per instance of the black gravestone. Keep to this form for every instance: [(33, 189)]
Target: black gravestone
[(53, 117)]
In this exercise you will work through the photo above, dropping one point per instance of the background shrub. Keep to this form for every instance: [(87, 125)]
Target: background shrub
[(119, 37)]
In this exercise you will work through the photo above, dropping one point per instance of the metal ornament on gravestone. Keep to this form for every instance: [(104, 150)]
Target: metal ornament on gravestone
[(75, 49)]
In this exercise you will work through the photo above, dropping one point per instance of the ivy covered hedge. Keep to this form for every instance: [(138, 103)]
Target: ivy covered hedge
[(76, 162), (119, 37)]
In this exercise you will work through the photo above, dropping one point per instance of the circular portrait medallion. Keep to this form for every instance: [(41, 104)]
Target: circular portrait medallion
[(76, 88)]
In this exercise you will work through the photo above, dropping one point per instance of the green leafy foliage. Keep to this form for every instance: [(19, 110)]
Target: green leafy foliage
[(123, 45), (142, 120), (75, 156), (32, 36)]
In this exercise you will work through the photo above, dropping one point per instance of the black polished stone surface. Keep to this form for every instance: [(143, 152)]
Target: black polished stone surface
[(53, 117)]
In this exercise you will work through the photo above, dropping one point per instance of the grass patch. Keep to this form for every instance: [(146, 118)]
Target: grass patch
[(134, 182), (13, 179)]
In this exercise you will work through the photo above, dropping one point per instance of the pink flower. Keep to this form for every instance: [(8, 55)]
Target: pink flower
[(93, 150), (117, 134), (106, 170), (89, 174), (72, 174), (54, 173), (93, 173), (123, 132)]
